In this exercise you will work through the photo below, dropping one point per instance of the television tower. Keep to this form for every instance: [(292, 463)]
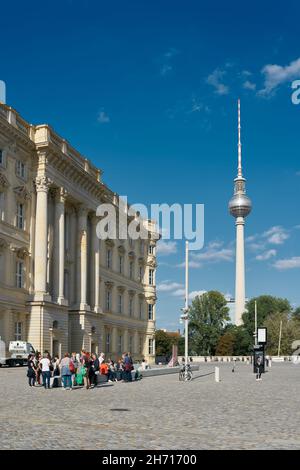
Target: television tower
[(240, 207)]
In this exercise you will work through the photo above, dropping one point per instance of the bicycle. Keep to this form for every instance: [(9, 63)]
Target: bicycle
[(185, 375)]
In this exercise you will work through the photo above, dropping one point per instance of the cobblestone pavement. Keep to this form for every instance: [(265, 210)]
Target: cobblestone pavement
[(158, 412)]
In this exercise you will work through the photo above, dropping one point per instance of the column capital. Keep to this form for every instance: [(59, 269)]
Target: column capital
[(60, 195), (42, 184)]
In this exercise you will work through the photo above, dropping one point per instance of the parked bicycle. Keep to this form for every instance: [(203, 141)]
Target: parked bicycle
[(185, 374)]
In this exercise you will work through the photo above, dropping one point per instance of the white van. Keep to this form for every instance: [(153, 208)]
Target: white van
[(18, 353)]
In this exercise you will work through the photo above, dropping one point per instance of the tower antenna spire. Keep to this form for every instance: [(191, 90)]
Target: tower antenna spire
[(240, 171)]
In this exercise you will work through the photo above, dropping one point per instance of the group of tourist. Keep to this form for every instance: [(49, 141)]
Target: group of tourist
[(81, 370)]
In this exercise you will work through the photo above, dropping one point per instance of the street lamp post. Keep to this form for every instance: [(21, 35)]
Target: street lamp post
[(185, 310), (255, 322)]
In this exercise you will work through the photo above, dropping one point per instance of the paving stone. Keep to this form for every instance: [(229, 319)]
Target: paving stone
[(237, 413)]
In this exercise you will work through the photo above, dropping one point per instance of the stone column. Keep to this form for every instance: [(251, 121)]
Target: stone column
[(125, 340), (41, 239), (82, 226), (95, 279), (60, 244), (73, 232)]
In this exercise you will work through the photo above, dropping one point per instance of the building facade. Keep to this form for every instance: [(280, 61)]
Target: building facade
[(61, 288)]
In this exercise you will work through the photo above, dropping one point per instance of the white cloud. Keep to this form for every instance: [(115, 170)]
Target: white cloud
[(168, 286), (275, 75), (215, 79), (276, 235), (284, 264), (166, 65), (247, 85), (266, 255), (165, 248), (214, 253), (103, 118)]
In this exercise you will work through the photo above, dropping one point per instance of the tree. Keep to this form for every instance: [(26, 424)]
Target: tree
[(266, 306), (290, 333), (235, 341), (208, 315), (225, 344), (243, 341), (163, 344)]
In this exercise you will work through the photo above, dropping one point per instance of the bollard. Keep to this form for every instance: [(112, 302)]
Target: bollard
[(217, 374)]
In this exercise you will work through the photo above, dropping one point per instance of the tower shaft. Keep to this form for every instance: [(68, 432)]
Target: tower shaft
[(240, 297)]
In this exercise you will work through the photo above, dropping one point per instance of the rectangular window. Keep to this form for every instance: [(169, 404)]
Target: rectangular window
[(2, 205), (141, 274), (21, 169), (1, 158), (20, 216), (151, 249), (107, 342), (108, 259), (120, 306), (20, 274), (151, 277), (131, 270), (151, 346), (121, 259), (150, 312), (18, 331), (130, 307), (108, 301)]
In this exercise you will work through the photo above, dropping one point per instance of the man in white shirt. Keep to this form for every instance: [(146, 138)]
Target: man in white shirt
[(45, 366)]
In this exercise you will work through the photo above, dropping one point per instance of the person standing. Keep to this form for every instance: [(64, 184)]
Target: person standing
[(31, 371), (66, 372), (259, 367), (94, 370), (45, 368), (74, 368), (56, 372)]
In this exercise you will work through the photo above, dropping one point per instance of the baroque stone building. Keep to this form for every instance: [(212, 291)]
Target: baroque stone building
[(61, 288)]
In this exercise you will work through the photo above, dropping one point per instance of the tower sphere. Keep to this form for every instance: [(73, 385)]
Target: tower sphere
[(240, 205)]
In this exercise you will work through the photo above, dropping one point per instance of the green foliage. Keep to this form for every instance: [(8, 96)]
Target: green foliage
[(163, 344), (225, 344), (290, 333), (235, 341), (266, 306), (208, 315)]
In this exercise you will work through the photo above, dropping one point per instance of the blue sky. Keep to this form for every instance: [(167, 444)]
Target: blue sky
[(148, 91)]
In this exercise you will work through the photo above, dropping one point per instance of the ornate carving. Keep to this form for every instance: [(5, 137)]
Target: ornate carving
[(22, 193), (21, 253), (60, 195), (42, 183), (121, 250), (109, 285), (3, 181), (3, 245)]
